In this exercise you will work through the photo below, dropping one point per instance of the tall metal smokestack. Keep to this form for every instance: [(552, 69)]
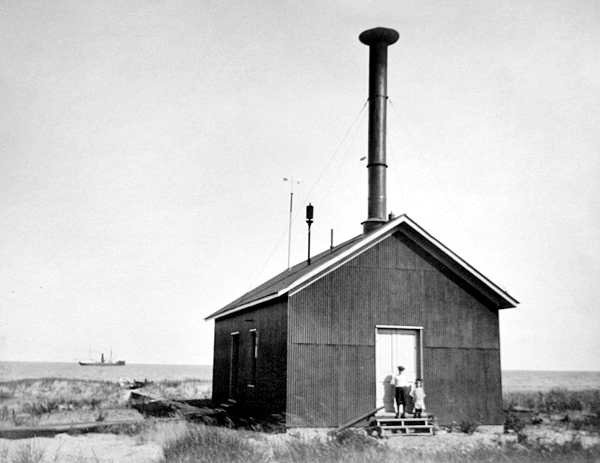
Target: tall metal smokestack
[(378, 40)]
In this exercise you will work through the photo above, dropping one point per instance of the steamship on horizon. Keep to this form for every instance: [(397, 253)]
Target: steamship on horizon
[(103, 362)]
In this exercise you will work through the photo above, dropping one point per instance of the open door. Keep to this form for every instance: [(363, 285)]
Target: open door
[(395, 346)]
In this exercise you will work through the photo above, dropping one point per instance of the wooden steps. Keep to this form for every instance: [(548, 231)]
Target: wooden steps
[(402, 426)]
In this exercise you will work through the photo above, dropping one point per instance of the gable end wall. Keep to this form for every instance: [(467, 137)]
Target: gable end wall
[(331, 351)]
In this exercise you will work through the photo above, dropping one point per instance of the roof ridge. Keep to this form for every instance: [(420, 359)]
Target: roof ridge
[(300, 275)]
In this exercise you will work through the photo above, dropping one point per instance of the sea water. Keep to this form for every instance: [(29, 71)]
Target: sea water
[(512, 380), (531, 380), (33, 370)]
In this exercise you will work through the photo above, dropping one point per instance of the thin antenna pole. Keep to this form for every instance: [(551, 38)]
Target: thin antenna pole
[(290, 221), (290, 227)]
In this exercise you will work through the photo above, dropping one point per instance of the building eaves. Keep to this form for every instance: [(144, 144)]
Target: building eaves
[(293, 280)]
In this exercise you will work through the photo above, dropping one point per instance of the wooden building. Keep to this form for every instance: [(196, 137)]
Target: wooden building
[(320, 342)]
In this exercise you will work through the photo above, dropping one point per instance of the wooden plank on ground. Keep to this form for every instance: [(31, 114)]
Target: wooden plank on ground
[(357, 419), (23, 432)]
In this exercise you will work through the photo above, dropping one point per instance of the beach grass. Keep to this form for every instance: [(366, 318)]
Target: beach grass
[(208, 444), (579, 410), (27, 452), (181, 389), (558, 400), (26, 401), (201, 443), (23, 402)]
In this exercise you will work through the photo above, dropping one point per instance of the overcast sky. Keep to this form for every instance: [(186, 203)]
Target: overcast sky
[(143, 146)]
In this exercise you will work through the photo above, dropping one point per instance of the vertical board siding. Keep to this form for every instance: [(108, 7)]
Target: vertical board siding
[(331, 345)]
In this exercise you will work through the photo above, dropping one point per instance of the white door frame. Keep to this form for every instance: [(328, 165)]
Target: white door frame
[(419, 330)]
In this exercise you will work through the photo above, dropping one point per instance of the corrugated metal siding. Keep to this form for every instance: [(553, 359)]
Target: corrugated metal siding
[(456, 319), (313, 400), (463, 384), (393, 283), (343, 307), (324, 388), (493, 377), (220, 382), (269, 392)]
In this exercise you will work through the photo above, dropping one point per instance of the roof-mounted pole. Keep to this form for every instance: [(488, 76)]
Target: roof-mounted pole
[(309, 220), (378, 40), (290, 220)]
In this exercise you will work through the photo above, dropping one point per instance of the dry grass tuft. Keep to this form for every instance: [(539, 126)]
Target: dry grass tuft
[(557, 400), (27, 452), (202, 444), (26, 401), (209, 444), (181, 390)]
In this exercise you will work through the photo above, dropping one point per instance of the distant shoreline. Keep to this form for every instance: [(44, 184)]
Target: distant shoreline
[(129, 363), (210, 366)]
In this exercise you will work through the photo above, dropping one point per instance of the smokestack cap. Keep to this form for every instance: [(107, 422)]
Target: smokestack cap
[(378, 35)]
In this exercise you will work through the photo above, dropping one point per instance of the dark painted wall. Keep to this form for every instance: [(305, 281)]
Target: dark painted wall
[(268, 393), (331, 366), (464, 384)]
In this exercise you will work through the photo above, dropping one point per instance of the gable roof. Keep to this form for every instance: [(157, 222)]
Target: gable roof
[(301, 275)]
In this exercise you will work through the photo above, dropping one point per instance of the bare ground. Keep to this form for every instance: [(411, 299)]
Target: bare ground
[(143, 446), (146, 446), (84, 448)]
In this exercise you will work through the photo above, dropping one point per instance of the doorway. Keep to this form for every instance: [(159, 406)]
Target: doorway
[(234, 364), (395, 346)]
